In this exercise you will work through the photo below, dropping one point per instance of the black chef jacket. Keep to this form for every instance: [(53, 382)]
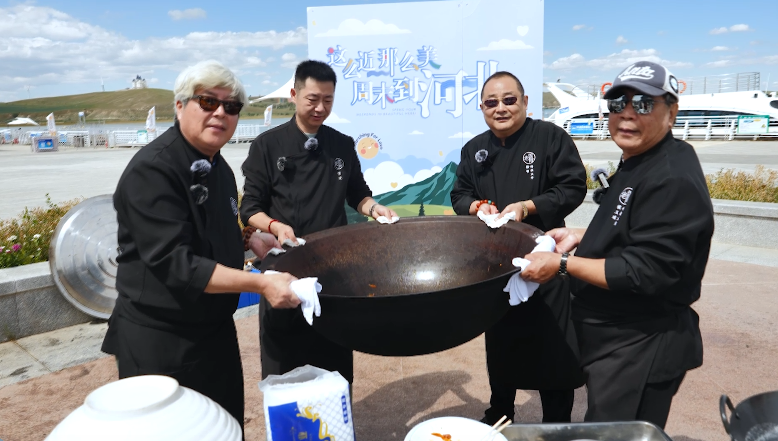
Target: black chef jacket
[(653, 228), (305, 190), (163, 322), (534, 345)]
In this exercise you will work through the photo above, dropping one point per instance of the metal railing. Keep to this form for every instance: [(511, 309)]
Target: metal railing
[(688, 127)]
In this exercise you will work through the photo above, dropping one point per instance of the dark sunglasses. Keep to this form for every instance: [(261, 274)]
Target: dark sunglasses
[(210, 104), (494, 102), (642, 104)]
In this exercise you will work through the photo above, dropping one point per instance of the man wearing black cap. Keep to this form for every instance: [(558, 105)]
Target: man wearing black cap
[(639, 265)]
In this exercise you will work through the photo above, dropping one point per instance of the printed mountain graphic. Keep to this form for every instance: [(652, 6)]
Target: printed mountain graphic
[(435, 190)]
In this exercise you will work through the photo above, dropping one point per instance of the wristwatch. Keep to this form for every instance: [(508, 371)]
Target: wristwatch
[(563, 265)]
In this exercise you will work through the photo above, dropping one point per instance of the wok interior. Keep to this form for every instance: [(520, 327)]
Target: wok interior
[(410, 257)]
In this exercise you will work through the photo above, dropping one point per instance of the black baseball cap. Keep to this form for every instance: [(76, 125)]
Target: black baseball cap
[(646, 77)]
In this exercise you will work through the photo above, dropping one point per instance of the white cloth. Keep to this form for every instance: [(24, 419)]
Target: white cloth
[(307, 290), (521, 290), (385, 220), (491, 219), (289, 243)]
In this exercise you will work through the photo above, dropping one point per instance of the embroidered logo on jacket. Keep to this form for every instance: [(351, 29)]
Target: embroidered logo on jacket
[(234, 205), (622, 205), (339, 166), (529, 160)]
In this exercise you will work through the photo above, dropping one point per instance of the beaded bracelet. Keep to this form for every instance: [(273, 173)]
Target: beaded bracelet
[(484, 201), (247, 232)]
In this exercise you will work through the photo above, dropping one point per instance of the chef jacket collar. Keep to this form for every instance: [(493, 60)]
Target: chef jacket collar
[(511, 140), (197, 153), (634, 161)]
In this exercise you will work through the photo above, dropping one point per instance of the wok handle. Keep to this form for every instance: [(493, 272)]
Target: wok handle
[(725, 402)]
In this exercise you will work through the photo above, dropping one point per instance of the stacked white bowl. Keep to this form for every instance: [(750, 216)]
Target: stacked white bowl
[(149, 408)]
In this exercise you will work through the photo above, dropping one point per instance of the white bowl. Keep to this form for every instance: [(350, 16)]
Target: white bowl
[(149, 408), (460, 429)]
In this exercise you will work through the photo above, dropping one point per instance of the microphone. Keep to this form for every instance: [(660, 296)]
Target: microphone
[(599, 175)]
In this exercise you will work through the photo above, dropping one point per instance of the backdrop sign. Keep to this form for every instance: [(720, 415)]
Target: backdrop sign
[(410, 78)]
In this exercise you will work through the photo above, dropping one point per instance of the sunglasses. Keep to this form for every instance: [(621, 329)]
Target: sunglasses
[(210, 104), (494, 102), (642, 104)]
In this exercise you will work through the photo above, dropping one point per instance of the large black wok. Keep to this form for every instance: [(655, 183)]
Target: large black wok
[(754, 419), (416, 287)]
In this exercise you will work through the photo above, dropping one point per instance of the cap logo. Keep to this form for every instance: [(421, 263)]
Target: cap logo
[(673, 83), (637, 73)]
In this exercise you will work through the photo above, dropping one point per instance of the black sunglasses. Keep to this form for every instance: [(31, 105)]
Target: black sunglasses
[(494, 102), (210, 104), (643, 104)]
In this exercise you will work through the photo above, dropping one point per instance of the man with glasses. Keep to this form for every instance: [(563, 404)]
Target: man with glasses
[(299, 176), (531, 169), (639, 266), (181, 251)]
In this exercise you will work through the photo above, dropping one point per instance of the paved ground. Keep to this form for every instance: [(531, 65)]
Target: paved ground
[(27, 177), (738, 314)]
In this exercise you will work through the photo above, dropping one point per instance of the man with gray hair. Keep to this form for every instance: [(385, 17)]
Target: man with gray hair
[(181, 250), (639, 265)]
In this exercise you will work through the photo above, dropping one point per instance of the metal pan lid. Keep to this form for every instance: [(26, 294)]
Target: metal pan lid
[(83, 254)]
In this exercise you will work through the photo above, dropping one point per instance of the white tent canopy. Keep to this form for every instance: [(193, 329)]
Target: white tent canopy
[(281, 92), (22, 121)]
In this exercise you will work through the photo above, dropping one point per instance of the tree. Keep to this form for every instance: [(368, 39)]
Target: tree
[(421, 209)]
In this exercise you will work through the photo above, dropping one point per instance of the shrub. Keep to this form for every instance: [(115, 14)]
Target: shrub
[(759, 186), (26, 238)]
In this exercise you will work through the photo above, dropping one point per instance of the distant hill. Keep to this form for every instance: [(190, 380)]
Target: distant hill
[(121, 105), (433, 191)]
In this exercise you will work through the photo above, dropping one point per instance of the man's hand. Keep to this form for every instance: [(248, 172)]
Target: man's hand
[(283, 232), (483, 208), (542, 268), (276, 289), (514, 208), (261, 243), (380, 210), (567, 239)]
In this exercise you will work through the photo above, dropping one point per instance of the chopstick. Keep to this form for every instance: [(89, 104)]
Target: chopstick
[(496, 428)]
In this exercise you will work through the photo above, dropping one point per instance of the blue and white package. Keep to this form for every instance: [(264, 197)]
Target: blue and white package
[(307, 403)]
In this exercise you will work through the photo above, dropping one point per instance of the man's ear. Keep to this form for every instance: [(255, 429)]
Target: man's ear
[(673, 114)]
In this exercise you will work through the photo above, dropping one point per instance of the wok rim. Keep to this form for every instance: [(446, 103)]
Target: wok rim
[(270, 261)]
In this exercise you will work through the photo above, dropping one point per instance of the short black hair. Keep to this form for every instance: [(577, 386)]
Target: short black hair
[(670, 99), (500, 74), (317, 70)]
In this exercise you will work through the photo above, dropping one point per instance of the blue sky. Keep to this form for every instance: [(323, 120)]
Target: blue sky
[(50, 48)]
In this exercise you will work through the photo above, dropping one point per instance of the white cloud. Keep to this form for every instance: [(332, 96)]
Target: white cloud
[(187, 14), (352, 27), (266, 82), (290, 60), (41, 44), (505, 45), (720, 49), (424, 174), (460, 135), (416, 132), (578, 27), (615, 61), (720, 63), (389, 176), (335, 119), (621, 40), (734, 28), (288, 57)]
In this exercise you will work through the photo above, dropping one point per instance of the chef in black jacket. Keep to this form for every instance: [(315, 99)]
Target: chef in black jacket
[(181, 252), (532, 169), (299, 176), (639, 265)]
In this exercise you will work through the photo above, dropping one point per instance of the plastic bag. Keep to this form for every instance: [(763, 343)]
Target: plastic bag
[(307, 403)]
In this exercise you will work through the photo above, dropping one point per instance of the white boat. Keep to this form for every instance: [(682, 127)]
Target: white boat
[(702, 111)]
